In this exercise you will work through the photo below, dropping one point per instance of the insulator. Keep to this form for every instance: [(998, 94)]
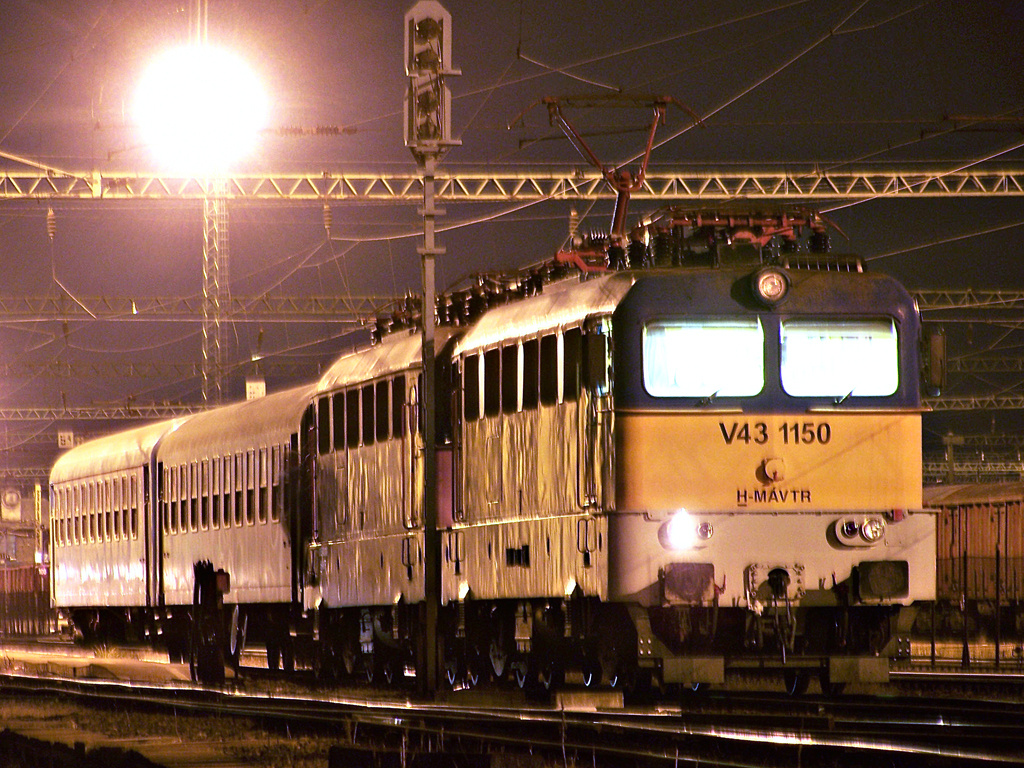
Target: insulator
[(791, 245), (574, 224), (636, 252), (476, 305), (616, 257), (51, 224), (820, 242), (328, 219), (663, 248)]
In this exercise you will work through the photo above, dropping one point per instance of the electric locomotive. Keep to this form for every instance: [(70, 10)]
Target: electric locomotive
[(662, 471)]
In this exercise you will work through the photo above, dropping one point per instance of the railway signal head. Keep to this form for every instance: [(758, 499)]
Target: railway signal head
[(428, 60)]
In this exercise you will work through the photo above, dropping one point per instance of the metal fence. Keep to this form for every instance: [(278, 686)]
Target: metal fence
[(25, 602)]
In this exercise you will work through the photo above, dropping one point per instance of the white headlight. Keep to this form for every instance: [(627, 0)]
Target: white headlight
[(872, 529), (684, 532), (680, 532), (771, 285)]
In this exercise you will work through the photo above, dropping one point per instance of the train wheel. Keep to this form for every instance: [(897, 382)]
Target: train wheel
[(498, 656), (551, 676), (522, 673), (236, 637), (288, 656), (349, 656), (828, 688), (452, 671), (795, 682), (324, 662)]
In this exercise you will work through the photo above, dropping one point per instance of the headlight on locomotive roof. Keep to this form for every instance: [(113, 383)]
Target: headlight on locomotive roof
[(771, 285), (683, 532)]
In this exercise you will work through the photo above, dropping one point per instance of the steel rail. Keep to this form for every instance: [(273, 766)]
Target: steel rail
[(807, 728)]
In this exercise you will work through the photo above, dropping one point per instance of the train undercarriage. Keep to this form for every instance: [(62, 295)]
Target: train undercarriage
[(541, 644)]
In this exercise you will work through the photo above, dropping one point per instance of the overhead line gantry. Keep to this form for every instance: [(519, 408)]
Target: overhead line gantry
[(512, 185)]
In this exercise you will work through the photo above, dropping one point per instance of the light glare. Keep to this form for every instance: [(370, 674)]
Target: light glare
[(681, 532), (199, 108)]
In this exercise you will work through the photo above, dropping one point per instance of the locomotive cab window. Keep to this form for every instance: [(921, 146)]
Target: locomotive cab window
[(703, 357), (848, 358)]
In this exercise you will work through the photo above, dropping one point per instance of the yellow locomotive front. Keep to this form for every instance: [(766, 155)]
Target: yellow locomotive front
[(768, 460)]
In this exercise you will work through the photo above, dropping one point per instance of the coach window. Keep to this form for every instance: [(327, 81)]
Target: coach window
[(175, 490), (352, 418), (849, 358), (230, 481), (125, 507), (383, 412), (92, 511), (398, 406), (168, 499), (323, 425), (572, 344), (510, 378), (239, 487), (549, 369), (217, 490), (204, 494), (108, 509), (368, 425), (276, 495), (193, 492), (115, 503), (531, 362), (101, 509), (184, 509), (471, 387), (492, 382), (250, 487), (182, 496), (262, 491), (703, 358), (78, 514), (338, 409), (133, 497)]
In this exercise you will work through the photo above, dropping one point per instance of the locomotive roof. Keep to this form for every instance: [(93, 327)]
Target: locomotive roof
[(112, 453), (972, 493), (249, 424), (395, 352), (561, 305)]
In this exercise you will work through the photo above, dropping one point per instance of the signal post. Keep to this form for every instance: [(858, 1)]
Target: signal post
[(427, 118)]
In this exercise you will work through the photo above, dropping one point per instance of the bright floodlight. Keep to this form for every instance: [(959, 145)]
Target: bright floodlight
[(199, 108)]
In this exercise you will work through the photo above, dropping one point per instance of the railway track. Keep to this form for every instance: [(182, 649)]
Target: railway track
[(714, 728)]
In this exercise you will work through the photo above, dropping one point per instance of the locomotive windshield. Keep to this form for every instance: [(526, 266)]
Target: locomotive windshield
[(857, 358), (703, 358)]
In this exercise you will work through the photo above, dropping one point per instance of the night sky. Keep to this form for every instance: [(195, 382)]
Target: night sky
[(779, 84)]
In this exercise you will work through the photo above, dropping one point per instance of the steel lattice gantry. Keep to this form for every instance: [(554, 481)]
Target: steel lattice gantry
[(504, 186)]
